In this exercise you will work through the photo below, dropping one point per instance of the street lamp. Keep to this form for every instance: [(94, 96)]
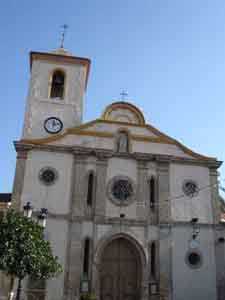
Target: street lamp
[(42, 217), (27, 210)]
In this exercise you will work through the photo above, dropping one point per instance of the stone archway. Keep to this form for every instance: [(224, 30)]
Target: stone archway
[(120, 271)]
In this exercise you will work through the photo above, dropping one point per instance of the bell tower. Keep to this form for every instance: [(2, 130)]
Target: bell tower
[(56, 91)]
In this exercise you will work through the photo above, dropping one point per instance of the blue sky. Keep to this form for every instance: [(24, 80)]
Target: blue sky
[(168, 54)]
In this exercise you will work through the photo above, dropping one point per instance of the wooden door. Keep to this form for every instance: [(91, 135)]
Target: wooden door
[(120, 271)]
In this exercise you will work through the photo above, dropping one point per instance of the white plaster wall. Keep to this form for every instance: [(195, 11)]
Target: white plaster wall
[(113, 128), (158, 148), (109, 143), (86, 141), (188, 283), (186, 208), (117, 167), (41, 107), (56, 197), (57, 231)]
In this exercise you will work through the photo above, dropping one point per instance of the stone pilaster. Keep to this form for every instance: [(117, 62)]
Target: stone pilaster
[(164, 205), (142, 191), (74, 261), (165, 263), (19, 179), (101, 172), (214, 195), (78, 195), (73, 266)]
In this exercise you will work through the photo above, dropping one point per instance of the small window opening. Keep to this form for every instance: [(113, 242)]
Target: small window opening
[(57, 87), (90, 189), (153, 262), (86, 256), (152, 193)]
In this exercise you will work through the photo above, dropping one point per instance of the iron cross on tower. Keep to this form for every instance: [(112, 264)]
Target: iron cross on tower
[(123, 95), (64, 27)]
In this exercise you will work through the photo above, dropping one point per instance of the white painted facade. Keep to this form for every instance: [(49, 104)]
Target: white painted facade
[(80, 149)]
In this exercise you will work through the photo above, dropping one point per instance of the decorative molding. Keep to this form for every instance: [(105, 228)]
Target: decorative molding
[(161, 137), (98, 152), (124, 105)]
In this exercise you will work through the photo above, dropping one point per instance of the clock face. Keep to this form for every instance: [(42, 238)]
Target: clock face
[(53, 125)]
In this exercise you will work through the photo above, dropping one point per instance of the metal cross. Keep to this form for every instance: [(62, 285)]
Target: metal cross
[(65, 27), (123, 95)]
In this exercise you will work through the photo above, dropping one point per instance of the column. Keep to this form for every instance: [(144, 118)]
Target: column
[(142, 191), (100, 200), (165, 235), (19, 179), (163, 193), (214, 195)]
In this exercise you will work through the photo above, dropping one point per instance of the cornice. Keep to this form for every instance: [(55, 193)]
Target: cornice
[(106, 154), (82, 130)]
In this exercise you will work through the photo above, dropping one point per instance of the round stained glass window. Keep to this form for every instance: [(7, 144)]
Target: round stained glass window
[(190, 188), (48, 175), (122, 189), (194, 259)]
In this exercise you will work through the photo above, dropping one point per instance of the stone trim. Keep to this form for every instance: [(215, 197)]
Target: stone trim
[(104, 241), (98, 152)]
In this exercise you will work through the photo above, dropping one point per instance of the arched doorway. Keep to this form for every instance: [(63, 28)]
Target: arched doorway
[(120, 271)]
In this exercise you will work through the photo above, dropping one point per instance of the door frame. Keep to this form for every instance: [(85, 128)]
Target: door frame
[(97, 262)]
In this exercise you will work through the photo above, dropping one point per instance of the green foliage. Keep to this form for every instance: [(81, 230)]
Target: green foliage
[(23, 250), (88, 296)]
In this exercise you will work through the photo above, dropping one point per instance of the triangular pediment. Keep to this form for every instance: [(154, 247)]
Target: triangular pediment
[(101, 133)]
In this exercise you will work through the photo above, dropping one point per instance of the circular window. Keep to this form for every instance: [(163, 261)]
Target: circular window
[(190, 188), (194, 259), (48, 175), (121, 190)]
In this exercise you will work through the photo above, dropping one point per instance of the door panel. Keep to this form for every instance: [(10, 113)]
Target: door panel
[(120, 271)]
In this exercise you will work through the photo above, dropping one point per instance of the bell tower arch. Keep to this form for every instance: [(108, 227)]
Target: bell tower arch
[(56, 93)]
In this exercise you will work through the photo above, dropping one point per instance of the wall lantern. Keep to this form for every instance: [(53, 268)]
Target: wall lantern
[(153, 288), (84, 285), (41, 215)]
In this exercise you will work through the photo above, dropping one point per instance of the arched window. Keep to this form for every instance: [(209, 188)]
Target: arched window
[(152, 192), (86, 256), (57, 85), (90, 189), (153, 261)]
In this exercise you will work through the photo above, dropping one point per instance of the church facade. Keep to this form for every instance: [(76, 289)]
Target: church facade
[(133, 214)]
